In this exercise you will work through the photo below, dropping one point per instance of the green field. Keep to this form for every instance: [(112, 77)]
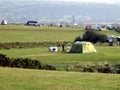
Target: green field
[(25, 79), (21, 33), (104, 53), (29, 79)]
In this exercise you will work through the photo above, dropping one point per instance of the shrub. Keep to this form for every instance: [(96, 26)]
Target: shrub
[(49, 67), (118, 29), (78, 39), (82, 67), (89, 67), (116, 68), (19, 62), (4, 61), (94, 37), (30, 44), (104, 68), (26, 63)]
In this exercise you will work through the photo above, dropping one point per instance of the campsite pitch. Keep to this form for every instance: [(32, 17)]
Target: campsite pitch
[(103, 54)]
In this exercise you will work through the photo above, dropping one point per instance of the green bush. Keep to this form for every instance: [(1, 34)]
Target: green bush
[(19, 62), (78, 39), (89, 67), (49, 67), (30, 44), (4, 61), (23, 63), (82, 67), (26, 63), (118, 29), (94, 37), (104, 68)]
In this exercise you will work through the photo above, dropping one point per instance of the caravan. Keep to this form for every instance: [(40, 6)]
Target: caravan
[(4, 22), (94, 27)]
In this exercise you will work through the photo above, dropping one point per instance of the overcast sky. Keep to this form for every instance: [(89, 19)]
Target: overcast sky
[(96, 1), (99, 1)]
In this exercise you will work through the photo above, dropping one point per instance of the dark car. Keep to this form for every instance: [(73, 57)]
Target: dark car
[(32, 23)]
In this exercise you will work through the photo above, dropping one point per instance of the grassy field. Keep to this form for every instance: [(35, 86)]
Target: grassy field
[(25, 79), (104, 53), (21, 33)]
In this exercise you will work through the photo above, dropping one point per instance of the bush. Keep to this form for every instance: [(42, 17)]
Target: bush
[(78, 39), (26, 63), (116, 68), (19, 62), (94, 37), (4, 61), (23, 63), (49, 67), (118, 29), (82, 67), (30, 44), (104, 68), (89, 67)]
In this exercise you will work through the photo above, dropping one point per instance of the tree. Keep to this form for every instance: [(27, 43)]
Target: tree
[(94, 37), (78, 39)]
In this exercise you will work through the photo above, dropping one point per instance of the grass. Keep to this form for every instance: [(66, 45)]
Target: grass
[(26, 79), (104, 53), (20, 33)]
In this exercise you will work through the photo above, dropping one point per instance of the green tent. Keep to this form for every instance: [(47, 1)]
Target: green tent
[(82, 47)]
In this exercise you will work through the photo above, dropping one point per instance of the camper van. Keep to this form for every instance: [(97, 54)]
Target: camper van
[(4, 22)]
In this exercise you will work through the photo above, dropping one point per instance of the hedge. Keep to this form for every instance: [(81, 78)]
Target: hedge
[(10, 45), (23, 63)]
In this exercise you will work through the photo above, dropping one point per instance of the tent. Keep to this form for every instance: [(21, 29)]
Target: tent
[(82, 47)]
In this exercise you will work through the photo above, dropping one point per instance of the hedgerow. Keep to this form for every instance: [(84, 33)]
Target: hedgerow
[(20, 45), (35, 64), (22, 63), (89, 67)]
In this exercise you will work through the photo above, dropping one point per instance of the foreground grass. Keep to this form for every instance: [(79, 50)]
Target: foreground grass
[(25, 79), (104, 53)]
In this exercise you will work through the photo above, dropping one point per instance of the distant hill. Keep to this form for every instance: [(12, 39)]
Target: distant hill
[(22, 11)]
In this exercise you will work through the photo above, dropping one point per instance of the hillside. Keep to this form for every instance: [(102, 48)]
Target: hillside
[(22, 11)]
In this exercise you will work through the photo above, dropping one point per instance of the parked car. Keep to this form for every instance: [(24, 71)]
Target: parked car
[(32, 23)]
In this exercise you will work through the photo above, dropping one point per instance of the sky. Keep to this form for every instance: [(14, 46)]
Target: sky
[(96, 1)]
